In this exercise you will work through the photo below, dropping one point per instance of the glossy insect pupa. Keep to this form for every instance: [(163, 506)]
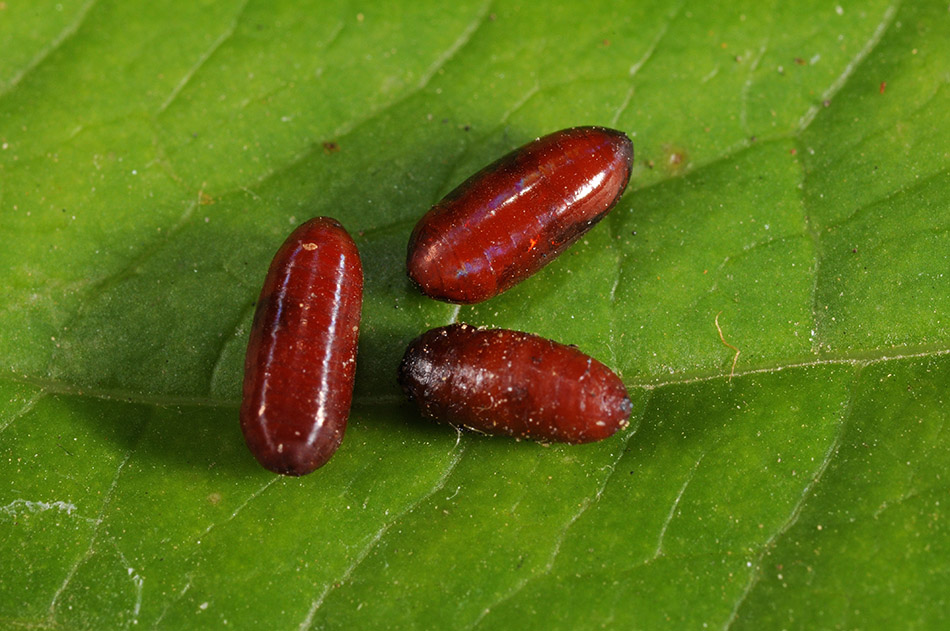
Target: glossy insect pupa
[(301, 357), (518, 214)]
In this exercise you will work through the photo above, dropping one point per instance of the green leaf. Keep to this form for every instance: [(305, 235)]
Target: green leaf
[(773, 289)]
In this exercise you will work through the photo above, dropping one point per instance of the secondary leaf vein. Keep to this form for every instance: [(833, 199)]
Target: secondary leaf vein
[(842, 79), (756, 574), (204, 57), (51, 48), (307, 622)]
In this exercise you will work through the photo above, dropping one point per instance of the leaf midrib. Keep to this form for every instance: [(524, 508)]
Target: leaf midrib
[(52, 387)]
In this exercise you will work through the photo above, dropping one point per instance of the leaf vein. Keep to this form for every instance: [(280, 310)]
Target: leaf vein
[(307, 622), (556, 548), (204, 57), (647, 55), (904, 190), (25, 409), (812, 232), (203, 534), (676, 503), (226, 339), (51, 48), (836, 86), (862, 360), (747, 87), (756, 574), (97, 524), (460, 42)]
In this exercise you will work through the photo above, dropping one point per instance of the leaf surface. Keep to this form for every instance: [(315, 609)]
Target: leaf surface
[(772, 288)]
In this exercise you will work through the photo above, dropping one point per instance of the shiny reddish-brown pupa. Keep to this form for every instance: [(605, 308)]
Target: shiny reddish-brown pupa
[(301, 358), (518, 214), (513, 384)]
